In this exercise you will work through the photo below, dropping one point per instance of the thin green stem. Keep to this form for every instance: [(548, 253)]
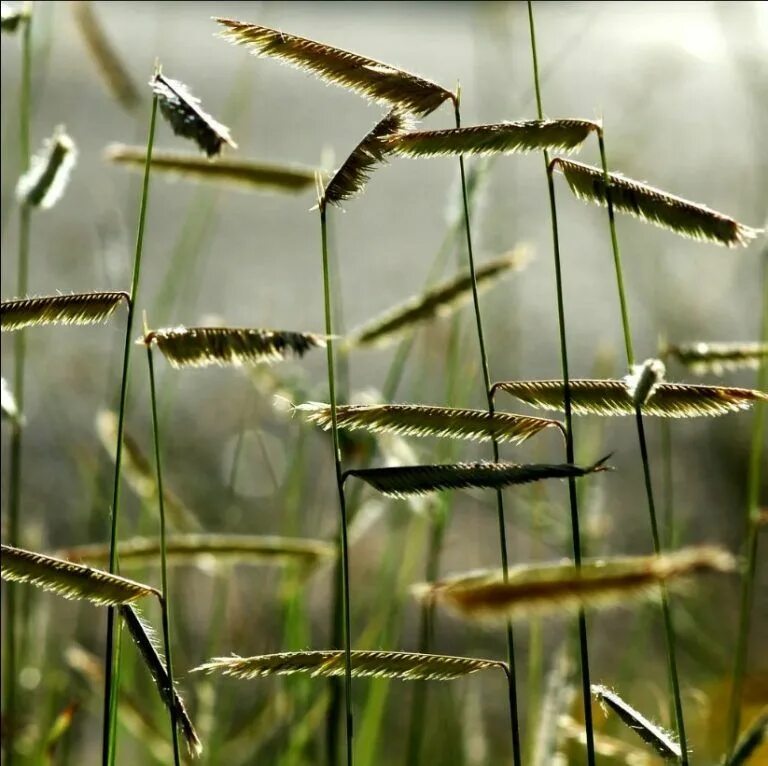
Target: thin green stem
[(19, 357), (574, 503), (112, 666), (163, 558), (657, 544), (513, 706), (339, 485), (752, 528)]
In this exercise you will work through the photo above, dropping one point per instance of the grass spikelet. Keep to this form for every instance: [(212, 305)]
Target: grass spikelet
[(350, 179), (44, 183), (644, 380), (612, 397), (73, 309), (487, 140), (405, 666), (229, 346), (244, 175), (655, 206), (716, 358), (104, 55), (11, 18), (205, 548), (754, 736), (182, 111), (137, 471), (440, 301), (10, 408), (402, 481), (376, 81), (423, 420), (143, 638), (70, 580), (662, 742), (551, 588)]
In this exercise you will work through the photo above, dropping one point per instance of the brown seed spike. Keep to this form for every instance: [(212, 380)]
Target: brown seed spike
[(488, 140), (229, 346), (183, 112), (350, 179), (376, 81), (655, 206)]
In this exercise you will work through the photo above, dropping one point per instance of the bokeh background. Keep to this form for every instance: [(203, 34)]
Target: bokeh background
[(681, 88)]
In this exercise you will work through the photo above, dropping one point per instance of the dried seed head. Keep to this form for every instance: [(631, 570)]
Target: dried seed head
[(644, 379), (183, 112), (44, 183)]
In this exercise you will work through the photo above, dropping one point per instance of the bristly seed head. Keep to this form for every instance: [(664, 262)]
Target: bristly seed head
[(182, 110), (644, 379), (44, 183)]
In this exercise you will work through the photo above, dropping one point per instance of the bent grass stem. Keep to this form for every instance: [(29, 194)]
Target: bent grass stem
[(112, 664)]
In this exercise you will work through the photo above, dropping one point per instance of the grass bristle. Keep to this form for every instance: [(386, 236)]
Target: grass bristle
[(49, 170), (402, 481), (70, 580), (208, 548), (655, 206), (716, 358), (350, 179), (405, 666), (423, 420), (488, 140), (613, 397), (440, 301), (143, 638), (372, 79), (182, 111), (110, 67), (229, 346), (541, 589), (661, 741), (242, 175), (73, 309)]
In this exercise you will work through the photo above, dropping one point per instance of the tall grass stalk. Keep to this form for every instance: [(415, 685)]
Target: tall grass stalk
[(752, 533), (658, 545), (112, 664), (339, 483), (19, 354), (574, 503), (510, 670), (163, 562)]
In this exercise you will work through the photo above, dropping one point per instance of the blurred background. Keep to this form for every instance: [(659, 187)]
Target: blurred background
[(681, 89)]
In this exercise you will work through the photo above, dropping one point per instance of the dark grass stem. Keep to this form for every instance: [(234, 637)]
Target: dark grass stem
[(747, 597), (112, 665), (669, 630), (19, 356), (163, 561), (339, 485), (511, 672), (576, 534)]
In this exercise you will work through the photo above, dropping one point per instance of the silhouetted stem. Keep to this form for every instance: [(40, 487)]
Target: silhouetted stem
[(576, 534), (163, 559), (514, 716), (669, 630), (112, 665), (19, 356), (339, 485), (752, 528)]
